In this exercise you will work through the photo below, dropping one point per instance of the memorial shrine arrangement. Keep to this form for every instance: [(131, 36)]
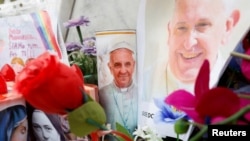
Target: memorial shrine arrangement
[(181, 74)]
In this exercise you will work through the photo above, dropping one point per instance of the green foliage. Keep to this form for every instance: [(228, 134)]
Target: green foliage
[(87, 118), (123, 130), (87, 63)]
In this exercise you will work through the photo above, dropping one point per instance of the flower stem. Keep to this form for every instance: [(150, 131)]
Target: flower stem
[(230, 119), (240, 55), (199, 134), (124, 136), (178, 137), (245, 96), (236, 115), (198, 124), (79, 33), (94, 123), (231, 78)]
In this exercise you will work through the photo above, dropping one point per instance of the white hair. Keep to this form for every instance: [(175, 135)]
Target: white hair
[(228, 5)]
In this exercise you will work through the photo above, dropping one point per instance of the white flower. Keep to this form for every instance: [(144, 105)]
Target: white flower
[(146, 133)]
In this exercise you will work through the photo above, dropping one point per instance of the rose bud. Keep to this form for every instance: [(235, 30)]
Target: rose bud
[(181, 126)]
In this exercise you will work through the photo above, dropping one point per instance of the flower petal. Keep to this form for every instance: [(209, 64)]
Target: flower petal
[(94, 136), (217, 119), (81, 21), (78, 71), (245, 42), (245, 66), (50, 85), (243, 103), (8, 72), (218, 102), (202, 81), (73, 46), (167, 113), (181, 99)]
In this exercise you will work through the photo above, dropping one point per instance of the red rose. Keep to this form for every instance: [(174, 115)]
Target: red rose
[(50, 85), (76, 69)]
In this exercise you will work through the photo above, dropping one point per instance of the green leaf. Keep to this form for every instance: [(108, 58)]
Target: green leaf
[(78, 118), (90, 98), (86, 97), (123, 130)]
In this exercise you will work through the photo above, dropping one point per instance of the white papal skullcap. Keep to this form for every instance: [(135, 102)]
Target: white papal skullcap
[(122, 44)]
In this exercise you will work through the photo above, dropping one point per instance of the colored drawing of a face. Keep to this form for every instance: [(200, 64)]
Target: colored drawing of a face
[(20, 132)]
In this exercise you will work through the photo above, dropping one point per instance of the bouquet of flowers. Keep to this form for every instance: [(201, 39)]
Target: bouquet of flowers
[(83, 53), (204, 107), (54, 87)]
